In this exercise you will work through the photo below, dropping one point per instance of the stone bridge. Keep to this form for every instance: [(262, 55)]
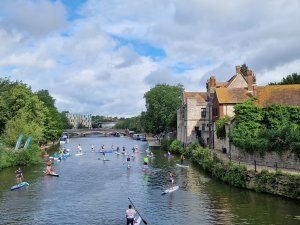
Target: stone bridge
[(94, 131)]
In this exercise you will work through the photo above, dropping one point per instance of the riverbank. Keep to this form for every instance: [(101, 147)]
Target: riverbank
[(278, 183)]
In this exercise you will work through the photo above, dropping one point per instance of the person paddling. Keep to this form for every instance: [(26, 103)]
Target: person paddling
[(103, 151), (171, 180), (130, 214), (92, 148), (181, 159), (128, 161), (19, 175), (79, 149), (124, 150)]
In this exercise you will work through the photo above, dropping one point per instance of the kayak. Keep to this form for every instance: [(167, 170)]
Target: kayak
[(180, 165), (170, 190), (20, 185)]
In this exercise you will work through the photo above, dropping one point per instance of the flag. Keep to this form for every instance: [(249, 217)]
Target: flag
[(27, 141), (19, 142)]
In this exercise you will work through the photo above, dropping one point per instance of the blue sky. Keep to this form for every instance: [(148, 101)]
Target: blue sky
[(100, 57)]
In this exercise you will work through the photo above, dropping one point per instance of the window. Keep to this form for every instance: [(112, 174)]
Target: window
[(203, 127), (203, 112)]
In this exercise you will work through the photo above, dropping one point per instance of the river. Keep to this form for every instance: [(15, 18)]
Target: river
[(92, 191)]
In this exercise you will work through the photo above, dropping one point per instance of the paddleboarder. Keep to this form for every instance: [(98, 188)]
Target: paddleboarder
[(128, 161), (171, 180), (79, 149), (130, 214), (181, 159), (19, 175)]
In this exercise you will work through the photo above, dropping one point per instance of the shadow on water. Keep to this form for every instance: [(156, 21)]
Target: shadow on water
[(92, 191)]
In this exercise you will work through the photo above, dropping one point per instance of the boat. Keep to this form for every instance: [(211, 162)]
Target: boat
[(183, 166), (169, 190), (20, 185)]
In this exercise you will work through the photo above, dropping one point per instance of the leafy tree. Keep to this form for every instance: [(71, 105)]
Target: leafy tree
[(162, 103), (244, 70), (290, 79), (220, 126)]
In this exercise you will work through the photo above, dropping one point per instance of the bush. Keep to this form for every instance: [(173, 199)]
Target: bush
[(176, 147)]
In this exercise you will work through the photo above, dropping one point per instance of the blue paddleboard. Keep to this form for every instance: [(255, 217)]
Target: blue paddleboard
[(20, 185)]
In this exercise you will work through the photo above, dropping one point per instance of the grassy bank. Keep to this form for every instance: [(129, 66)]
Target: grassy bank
[(237, 175), (10, 157)]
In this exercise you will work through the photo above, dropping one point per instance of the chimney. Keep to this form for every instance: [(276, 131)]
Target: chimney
[(211, 84), (250, 80), (238, 69)]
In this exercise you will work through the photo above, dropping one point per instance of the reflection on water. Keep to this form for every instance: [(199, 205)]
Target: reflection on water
[(92, 191)]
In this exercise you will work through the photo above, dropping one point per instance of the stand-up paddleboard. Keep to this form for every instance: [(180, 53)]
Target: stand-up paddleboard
[(137, 220), (105, 152), (170, 190), (52, 174), (118, 153), (79, 154), (20, 185), (183, 166), (104, 159)]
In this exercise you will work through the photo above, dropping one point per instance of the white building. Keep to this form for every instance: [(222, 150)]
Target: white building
[(77, 119)]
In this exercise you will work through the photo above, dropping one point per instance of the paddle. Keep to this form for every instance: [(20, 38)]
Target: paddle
[(144, 221)]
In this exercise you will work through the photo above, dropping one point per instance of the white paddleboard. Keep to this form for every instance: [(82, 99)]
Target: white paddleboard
[(170, 190), (104, 159), (183, 166), (78, 154), (137, 220)]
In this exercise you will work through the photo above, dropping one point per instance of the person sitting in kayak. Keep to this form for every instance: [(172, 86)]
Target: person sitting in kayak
[(130, 214), (128, 161), (19, 175), (171, 180)]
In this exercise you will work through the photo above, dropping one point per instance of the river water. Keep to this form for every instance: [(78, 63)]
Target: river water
[(92, 191)]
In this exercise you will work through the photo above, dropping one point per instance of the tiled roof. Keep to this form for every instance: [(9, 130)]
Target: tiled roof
[(279, 94), (231, 95), (201, 97)]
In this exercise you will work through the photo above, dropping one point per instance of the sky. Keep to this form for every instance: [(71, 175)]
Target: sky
[(100, 57)]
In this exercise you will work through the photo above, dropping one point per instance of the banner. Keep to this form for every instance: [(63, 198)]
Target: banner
[(19, 142), (27, 142)]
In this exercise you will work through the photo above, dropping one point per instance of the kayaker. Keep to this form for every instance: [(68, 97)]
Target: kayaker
[(181, 159), (19, 175), (130, 214), (171, 180)]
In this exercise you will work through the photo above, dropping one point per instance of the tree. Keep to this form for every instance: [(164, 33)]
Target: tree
[(290, 79), (162, 103), (244, 70)]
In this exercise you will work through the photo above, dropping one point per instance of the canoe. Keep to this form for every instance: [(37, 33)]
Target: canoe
[(20, 185), (170, 190), (183, 166)]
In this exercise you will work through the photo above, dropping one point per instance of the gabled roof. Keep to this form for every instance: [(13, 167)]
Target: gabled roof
[(231, 95), (201, 97), (279, 94)]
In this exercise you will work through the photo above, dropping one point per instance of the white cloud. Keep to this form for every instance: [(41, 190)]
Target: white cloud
[(88, 72)]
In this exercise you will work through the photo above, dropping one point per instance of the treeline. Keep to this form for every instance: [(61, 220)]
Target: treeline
[(272, 129), (294, 78), (162, 102), (25, 112)]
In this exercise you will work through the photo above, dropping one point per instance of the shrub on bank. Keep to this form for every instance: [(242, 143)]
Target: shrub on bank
[(10, 157)]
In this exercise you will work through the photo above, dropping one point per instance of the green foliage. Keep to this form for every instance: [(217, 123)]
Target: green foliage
[(165, 144), (220, 126), (133, 123), (273, 129), (162, 103), (277, 183), (290, 79), (176, 147), (244, 70)]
